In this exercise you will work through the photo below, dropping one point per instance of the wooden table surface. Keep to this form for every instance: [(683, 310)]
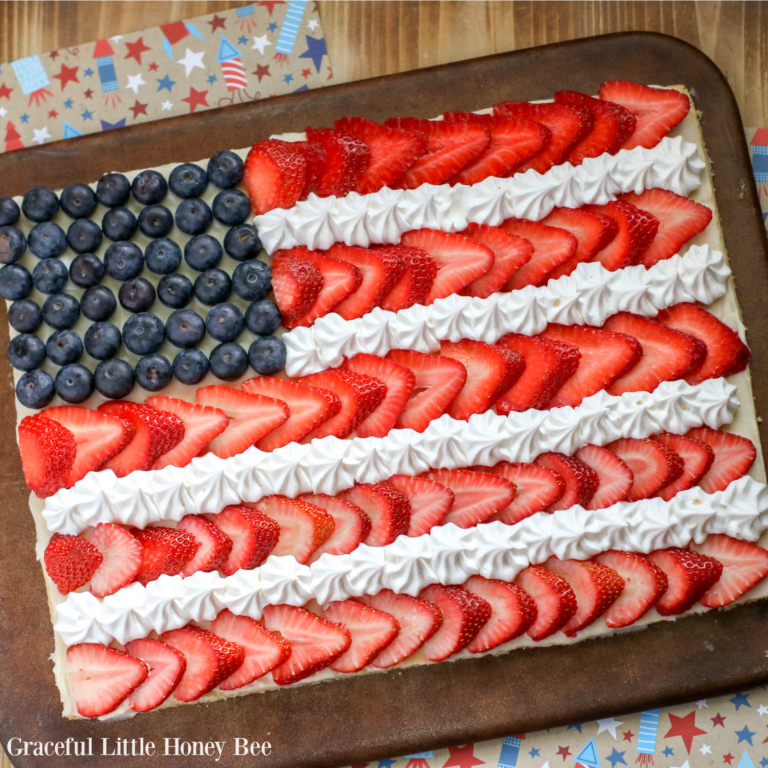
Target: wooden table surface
[(366, 39)]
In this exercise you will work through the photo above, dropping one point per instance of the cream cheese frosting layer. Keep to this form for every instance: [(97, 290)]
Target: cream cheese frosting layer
[(447, 555), (330, 465), (588, 296), (384, 216)]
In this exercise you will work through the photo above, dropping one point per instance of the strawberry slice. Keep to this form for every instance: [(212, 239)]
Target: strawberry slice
[(580, 479), (464, 615), (568, 124), (253, 535), (414, 285), (726, 352), (214, 546), (697, 458), (380, 270), (264, 650), (548, 365), (593, 232), (460, 260), (210, 660), (101, 678), (537, 489), (734, 455), (637, 229), (596, 588), (680, 219), (744, 566), (164, 551), (552, 247), (315, 642), (513, 141), (392, 151), (122, 557), (614, 477), (398, 381), (360, 396), (251, 417), (656, 110), (668, 355), (554, 598), (309, 408), (690, 576), (346, 158), (510, 253), (653, 465), (430, 502), (297, 284), (47, 454), (351, 525), (644, 584), (512, 612), (201, 425), (387, 508), (371, 631), (438, 381), (70, 561), (166, 668), (418, 621), (156, 433), (491, 371), (476, 495), (314, 154), (450, 147), (303, 526), (605, 357), (275, 175)]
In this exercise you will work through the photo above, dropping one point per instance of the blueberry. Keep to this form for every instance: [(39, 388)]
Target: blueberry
[(136, 294), (202, 252), (13, 243), (224, 322), (113, 189), (154, 372), (242, 242), (50, 276), (267, 355), (175, 291), (15, 282), (213, 286), (225, 169), (124, 260), (252, 280), (74, 383), (114, 378), (25, 352), (47, 240), (78, 201), (188, 180), (155, 221), (102, 340), (9, 211), (263, 317), (64, 347), (163, 256), (228, 362), (149, 187), (190, 366), (193, 216), (231, 207), (35, 389), (143, 333), (119, 224), (84, 236), (40, 204), (25, 316), (61, 310), (86, 270), (185, 328), (98, 303)]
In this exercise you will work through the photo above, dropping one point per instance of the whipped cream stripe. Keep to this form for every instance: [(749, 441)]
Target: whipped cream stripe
[(447, 555), (384, 216), (330, 465), (588, 296)]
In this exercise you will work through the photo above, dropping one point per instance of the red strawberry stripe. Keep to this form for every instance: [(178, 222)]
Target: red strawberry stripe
[(636, 233), (653, 465), (166, 668), (697, 458), (415, 283), (297, 284), (430, 502), (615, 478), (536, 489), (689, 575), (387, 508), (47, 451), (554, 598), (70, 561), (346, 158), (581, 480), (275, 175), (351, 525), (253, 535), (734, 455)]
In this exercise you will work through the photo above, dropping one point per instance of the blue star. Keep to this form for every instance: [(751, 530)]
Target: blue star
[(534, 752), (25, 118), (745, 735), (68, 104), (668, 751), (88, 72), (272, 27), (165, 83), (212, 79), (577, 726), (616, 757), (388, 763), (86, 115), (315, 50), (242, 40), (288, 79), (740, 700), (764, 762)]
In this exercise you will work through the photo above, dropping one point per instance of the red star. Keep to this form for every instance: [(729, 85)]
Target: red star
[(67, 75), (305, 73), (5, 91), (628, 735), (563, 752), (217, 22), (462, 757), (330, 73), (196, 99), (53, 114), (727, 758), (765, 741), (685, 728), (136, 49), (261, 71), (271, 4), (153, 67), (54, 55), (138, 109), (718, 719), (88, 94)]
